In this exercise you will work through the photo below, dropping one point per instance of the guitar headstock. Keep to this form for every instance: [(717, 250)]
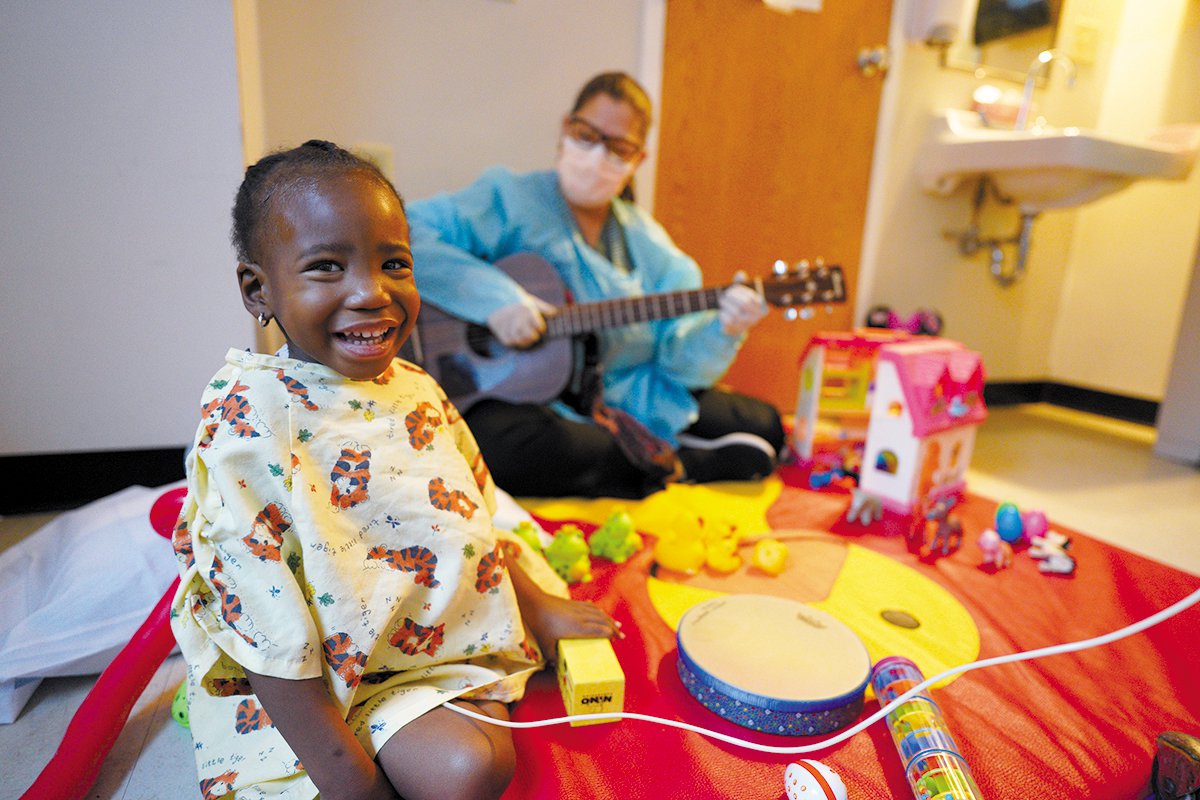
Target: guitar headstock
[(804, 284)]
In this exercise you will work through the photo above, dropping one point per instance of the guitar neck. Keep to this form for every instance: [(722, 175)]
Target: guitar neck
[(572, 320)]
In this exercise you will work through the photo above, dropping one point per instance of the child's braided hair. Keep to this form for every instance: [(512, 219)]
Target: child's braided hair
[(285, 171)]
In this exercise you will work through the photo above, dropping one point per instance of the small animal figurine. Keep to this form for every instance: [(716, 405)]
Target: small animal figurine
[(996, 552), (948, 532), (1051, 552), (616, 539), (864, 508), (812, 780), (770, 555), (567, 553), (529, 535)]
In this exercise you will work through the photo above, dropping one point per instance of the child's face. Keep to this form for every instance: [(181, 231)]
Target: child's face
[(337, 273)]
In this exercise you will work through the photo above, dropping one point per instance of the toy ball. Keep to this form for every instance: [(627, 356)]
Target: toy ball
[(812, 780), (179, 706), (1008, 523), (1035, 523)]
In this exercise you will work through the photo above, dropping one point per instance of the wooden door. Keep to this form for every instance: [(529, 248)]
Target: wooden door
[(765, 153)]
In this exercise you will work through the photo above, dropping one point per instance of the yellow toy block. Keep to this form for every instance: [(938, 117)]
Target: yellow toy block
[(590, 678)]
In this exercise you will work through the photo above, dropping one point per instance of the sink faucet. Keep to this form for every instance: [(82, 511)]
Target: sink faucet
[(1041, 65)]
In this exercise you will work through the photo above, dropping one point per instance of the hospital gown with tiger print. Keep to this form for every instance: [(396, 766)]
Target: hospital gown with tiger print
[(338, 529)]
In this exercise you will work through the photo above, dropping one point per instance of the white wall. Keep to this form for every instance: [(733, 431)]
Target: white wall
[(1132, 253), (452, 86), (119, 158), (1104, 292)]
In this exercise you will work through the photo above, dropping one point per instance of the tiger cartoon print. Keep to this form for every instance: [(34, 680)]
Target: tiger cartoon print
[(422, 423), (231, 605), (490, 571), (420, 560), (218, 786), (344, 658), (479, 471), (236, 410), (453, 500), (251, 718), (297, 390), (413, 638), (266, 534), (385, 377), (229, 687), (181, 542), (350, 475)]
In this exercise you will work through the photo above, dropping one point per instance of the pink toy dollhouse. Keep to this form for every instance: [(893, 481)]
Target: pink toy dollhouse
[(926, 404), (836, 375), (909, 404)]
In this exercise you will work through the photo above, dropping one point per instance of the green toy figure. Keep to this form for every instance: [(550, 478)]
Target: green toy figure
[(616, 539), (528, 535), (567, 553), (179, 706)]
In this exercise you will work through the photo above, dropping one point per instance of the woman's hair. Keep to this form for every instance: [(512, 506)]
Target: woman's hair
[(619, 86), (282, 172)]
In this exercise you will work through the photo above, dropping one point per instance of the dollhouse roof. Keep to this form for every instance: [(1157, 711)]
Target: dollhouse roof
[(862, 341), (942, 383)]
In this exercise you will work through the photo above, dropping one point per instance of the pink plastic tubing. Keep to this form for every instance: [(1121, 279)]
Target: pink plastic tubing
[(98, 722)]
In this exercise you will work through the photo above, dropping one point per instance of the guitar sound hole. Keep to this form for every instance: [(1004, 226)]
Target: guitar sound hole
[(482, 343)]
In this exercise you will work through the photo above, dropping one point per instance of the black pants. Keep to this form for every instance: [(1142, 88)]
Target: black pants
[(534, 452)]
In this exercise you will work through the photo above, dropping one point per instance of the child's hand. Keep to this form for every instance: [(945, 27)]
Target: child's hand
[(550, 618)]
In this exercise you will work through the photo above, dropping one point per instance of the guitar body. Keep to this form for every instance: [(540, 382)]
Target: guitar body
[(471, 364)]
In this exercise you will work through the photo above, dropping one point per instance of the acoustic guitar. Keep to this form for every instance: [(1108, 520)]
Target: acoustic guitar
[(471, 364)]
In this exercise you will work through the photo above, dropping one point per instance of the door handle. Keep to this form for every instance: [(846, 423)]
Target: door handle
[(873, 61)]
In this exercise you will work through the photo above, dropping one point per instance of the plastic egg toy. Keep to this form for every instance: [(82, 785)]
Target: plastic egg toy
[(812, 780), (1035, 524), (1008, 523)]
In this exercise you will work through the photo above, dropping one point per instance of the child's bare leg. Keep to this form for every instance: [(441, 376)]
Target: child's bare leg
[(445, 755)]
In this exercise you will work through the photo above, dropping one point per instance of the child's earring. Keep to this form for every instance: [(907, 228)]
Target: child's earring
[(263, 320)]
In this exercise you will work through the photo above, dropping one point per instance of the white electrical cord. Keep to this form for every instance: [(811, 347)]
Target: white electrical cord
[(1069, 647)]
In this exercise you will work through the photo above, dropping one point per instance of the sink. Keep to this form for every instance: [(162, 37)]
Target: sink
[(1042, 168)]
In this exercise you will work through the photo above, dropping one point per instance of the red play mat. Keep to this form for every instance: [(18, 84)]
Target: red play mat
[(1069, 726)]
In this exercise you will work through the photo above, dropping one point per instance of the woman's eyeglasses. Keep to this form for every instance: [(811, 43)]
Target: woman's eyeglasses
[(583, 131)]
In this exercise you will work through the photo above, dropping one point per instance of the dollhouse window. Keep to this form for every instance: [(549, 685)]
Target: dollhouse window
[(887, 462)]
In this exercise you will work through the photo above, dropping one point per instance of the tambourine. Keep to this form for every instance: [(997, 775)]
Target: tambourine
[(773, 665)]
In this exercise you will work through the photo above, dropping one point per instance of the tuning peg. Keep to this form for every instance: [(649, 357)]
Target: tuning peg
[(792, 314), (819, 264), (781, 267), (802, 265)]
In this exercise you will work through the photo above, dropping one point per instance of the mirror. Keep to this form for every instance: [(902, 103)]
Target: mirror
[(1003, 37)]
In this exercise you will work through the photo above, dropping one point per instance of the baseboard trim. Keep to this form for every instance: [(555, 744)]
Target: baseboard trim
[(61, 481), (1130, 409)]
